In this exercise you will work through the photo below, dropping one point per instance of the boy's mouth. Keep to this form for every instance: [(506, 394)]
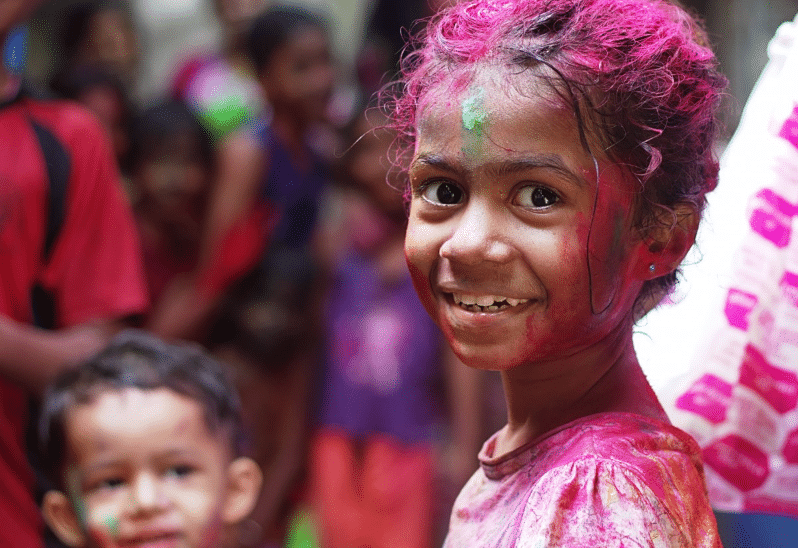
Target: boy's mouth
[(485, 303), (165, 540)]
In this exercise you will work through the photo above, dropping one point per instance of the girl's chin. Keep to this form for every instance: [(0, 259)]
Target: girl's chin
[(486, 358)]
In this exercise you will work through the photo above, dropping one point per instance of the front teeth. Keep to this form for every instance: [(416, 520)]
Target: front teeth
[(486, 303)]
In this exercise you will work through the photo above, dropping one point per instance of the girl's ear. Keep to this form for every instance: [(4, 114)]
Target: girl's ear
[(244, 481), (60, 516), (666, 244)]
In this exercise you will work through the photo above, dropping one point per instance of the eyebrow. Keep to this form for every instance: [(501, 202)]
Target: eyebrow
[(553, 162)]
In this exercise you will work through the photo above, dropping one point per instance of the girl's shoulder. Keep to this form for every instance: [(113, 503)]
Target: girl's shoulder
[(612, 438), (613, 479)]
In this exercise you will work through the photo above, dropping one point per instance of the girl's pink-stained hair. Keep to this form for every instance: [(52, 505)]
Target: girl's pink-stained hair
[(638, 74)]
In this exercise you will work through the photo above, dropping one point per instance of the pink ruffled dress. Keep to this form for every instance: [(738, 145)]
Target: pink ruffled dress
[(606, 480)]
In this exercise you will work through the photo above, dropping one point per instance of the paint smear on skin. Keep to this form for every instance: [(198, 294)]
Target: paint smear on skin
[(475, 118), (76, 498), (422, 289), (112, 524)]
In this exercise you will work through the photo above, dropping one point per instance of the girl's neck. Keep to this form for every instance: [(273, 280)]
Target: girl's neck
[(605, 377)]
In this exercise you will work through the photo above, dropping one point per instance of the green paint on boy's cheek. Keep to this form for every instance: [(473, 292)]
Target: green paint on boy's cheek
[(77, 500), (112, 524), (474, 117)]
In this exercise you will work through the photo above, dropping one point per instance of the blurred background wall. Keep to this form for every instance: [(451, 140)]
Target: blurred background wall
[(172, 30)]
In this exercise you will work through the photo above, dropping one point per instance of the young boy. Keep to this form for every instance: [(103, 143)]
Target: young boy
[(142, 442)]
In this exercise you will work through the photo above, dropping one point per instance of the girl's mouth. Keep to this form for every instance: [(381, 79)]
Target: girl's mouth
[(485, 303)]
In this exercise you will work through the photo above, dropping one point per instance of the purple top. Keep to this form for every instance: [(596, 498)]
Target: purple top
[(295, 192), (382, 359)]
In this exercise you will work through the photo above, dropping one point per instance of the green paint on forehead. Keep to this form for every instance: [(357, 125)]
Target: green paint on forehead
[(474, 115), (475, 118)]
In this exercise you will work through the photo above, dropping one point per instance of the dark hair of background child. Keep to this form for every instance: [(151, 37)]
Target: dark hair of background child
[(155, 128), (274, 28)]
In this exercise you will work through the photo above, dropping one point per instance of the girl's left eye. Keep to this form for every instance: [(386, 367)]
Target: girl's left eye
[(537, 197)]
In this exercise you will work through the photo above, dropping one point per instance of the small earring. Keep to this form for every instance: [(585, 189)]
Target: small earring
[(652, 268)]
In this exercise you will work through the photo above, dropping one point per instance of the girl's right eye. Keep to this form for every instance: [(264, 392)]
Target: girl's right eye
[(442, 192)]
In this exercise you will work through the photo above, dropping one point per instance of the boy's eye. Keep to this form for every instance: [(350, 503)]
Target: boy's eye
[(537, 197), (442, 192), (110, 483), (180, 470)]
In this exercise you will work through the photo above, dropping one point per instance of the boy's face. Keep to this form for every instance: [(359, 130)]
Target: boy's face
[(515, 249), (143, 470)]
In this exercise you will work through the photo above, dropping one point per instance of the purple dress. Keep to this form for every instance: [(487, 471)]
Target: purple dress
[(383, 357)]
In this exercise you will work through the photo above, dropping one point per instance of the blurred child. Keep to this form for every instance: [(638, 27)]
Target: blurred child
[(373, 465), (222, 89), (263, 336), (102, 92), (171, 164), (561, 155), (143, 444), (269, 180), (100, 34)]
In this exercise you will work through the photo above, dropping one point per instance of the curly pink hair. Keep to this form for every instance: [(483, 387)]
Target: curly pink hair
[(639, 75)]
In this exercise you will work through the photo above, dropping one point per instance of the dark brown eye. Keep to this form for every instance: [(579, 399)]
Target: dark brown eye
[(443, 192), (537, 197)]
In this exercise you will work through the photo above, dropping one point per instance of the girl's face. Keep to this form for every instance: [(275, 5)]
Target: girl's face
[(515, 248), (111, 42), (299, 76), (175, 179)]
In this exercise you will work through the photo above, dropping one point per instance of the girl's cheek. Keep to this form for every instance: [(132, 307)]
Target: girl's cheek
[(422, 287)]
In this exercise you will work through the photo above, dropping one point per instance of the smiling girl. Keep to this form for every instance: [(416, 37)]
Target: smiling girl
[(561, 153)]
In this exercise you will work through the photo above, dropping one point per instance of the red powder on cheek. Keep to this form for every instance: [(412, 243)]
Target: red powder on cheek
[(424, 292), (421, 284), (582, 230)]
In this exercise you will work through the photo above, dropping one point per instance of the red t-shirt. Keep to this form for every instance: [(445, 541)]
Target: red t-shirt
[(94, 270)]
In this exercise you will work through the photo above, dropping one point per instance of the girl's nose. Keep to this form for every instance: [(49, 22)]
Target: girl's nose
[(477, 238)]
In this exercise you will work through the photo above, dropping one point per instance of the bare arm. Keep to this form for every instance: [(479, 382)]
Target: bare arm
[(186, 304), (32, 357), (281, 473)]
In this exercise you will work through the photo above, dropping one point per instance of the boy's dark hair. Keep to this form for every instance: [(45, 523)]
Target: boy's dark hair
[(156, 127), (274, 27), (136, 359)]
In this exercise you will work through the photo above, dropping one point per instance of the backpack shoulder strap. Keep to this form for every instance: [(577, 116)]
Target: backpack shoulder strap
[(58, 166)]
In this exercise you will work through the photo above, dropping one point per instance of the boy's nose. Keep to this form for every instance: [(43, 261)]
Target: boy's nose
[(146, 494), (477, 238)]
